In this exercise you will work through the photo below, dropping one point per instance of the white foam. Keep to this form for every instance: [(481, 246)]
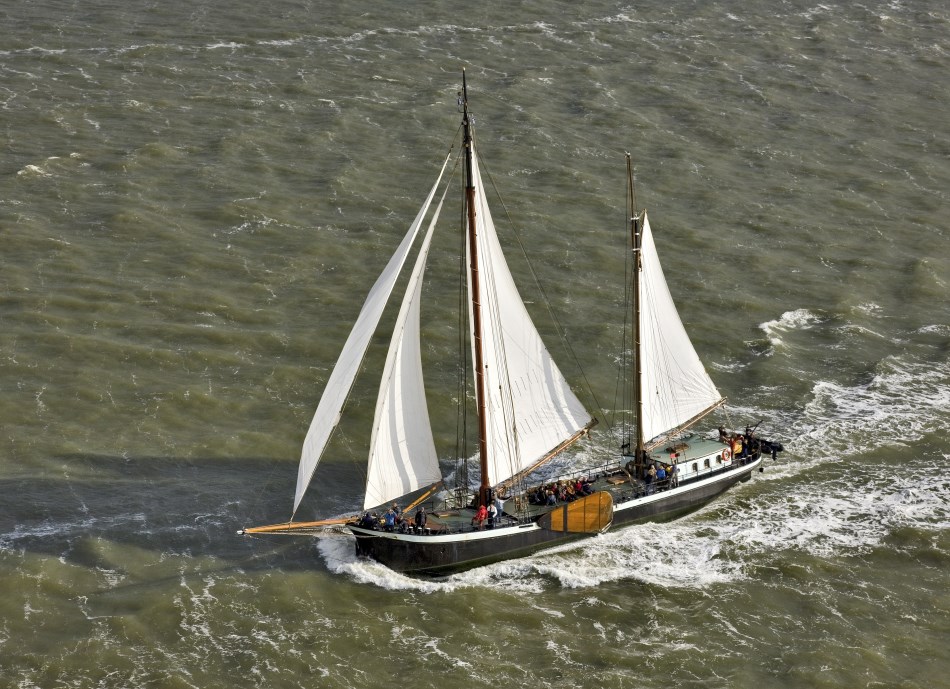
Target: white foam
[(800, 319), (901, 403), (34, 170), (61, 529)]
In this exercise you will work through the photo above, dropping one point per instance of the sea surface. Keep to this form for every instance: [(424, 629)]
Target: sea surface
[(196, 196)]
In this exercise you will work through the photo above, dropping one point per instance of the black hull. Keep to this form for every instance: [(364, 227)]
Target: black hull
[(682, 500), (441, 555)]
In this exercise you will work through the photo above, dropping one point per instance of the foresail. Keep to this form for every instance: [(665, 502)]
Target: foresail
[(530, 407), (402, 455), (676, 387), (344, 372)]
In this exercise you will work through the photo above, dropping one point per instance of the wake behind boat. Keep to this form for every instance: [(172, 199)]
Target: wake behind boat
[(526, 415)]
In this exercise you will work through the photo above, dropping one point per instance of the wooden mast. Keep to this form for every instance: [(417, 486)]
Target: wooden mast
[(484, 487), (636, 244)]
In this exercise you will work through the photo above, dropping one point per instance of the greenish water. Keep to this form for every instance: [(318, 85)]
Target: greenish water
[(195, 197)]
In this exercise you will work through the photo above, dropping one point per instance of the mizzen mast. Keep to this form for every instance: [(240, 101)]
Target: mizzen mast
[(636, 237)]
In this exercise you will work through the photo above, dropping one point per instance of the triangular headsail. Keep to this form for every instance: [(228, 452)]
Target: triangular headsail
[(530, 407), (676, 387), (344, 372), (402, 455)]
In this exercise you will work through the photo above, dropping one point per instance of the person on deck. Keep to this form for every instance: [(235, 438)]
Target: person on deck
[(389, 520), (651, 479), (480, 516), (492, 515), (421, 519)]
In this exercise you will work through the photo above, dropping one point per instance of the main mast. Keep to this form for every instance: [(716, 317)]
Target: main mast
[(484, 487)]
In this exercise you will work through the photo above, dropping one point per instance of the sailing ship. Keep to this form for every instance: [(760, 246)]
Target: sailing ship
[(526, 415)]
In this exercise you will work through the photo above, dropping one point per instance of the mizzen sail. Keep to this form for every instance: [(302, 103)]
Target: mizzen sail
[(676, 387)]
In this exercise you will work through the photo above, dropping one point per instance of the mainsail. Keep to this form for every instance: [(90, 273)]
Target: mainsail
[(530, 407), (676, 387), (344, 372)]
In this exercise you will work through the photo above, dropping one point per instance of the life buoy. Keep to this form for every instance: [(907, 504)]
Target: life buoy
[(726, 455)]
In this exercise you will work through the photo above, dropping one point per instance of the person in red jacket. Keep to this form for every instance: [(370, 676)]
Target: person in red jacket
[(480, 516)]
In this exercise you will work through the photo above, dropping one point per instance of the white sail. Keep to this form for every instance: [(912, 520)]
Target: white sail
[(344, 372), (675, 386), (402, 454), (530, 407)]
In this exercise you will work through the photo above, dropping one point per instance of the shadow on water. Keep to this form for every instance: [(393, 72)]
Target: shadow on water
[(170, 506)]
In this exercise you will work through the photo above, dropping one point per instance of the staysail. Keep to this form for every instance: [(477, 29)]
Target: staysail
[(676, 387), (344, 372), (530, 407), (402, 454)]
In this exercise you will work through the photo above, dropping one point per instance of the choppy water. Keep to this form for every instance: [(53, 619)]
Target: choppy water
[(194, 198)]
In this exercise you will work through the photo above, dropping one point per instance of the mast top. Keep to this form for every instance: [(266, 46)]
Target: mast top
[(463, 100)]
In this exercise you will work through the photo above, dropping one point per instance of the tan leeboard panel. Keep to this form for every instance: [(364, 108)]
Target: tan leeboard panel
[(591, 514)]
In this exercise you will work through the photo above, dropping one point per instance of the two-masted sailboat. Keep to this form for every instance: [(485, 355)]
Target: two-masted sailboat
[(526, 415)]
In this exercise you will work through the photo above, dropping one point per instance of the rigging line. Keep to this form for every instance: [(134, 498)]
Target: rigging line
[(547, 301)]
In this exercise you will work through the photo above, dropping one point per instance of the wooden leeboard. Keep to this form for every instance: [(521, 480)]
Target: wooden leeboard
[(591, 514)]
